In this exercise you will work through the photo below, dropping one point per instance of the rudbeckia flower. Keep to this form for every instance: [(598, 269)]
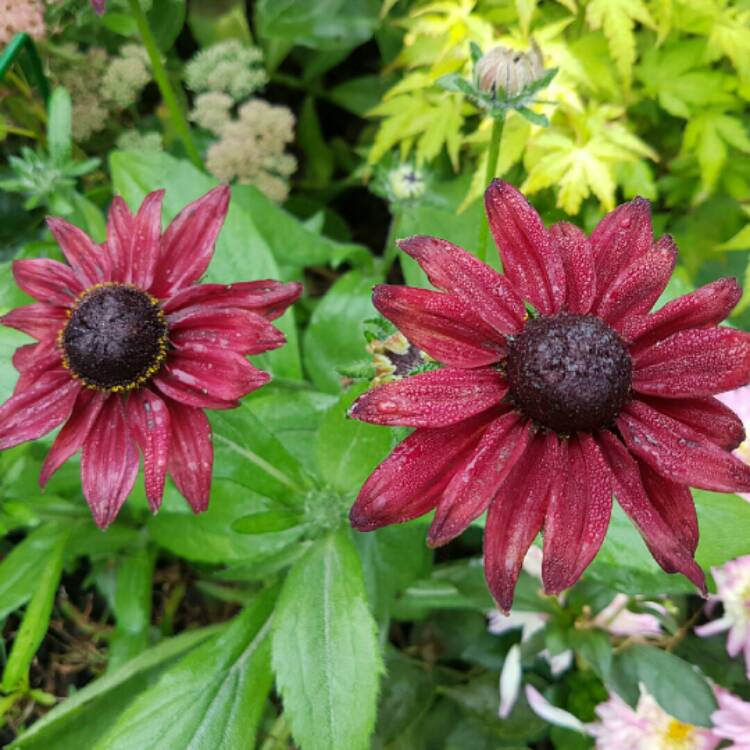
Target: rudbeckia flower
[(130, 351), (558, 389)]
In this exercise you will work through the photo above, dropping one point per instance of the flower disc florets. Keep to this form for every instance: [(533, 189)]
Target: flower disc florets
[(569, 373), (116, 337)]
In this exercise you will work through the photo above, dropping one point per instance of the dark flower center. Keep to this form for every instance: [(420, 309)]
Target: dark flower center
[(116, 338), (569, 373)]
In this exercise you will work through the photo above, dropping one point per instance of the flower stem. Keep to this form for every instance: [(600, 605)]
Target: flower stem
[(492, 157), (176, 113)]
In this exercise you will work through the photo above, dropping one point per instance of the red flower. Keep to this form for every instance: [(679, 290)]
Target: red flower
[(98, 6), (541, 419), (131, 350)]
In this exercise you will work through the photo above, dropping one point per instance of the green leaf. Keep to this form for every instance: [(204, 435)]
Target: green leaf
[(59, 126), (347, 451), (335, 335), (717, 513), (241, 251), (319, 160), (166, 19), (212, 699), (85, 715), (266, 522), (660, 671), (35, 619), (211, 23), (325, 651)]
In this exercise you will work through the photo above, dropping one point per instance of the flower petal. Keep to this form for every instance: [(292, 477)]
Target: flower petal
[(451, 269), (679, 453), (87, 260), (431, 399), (706, 415), (148, 416), (188, 243), (33, 360), (39, 320), (47, 281), (410, 481), (517, 513), (621, 237), (574, 249), (476, 483), (191, 454), (665, 544), (145, 242), (38, 408), (529, 258), (441, 325), (552, 714), (706, 306), (185, 390), (267, 298), (120, 232), (241, 331), (636, 289), (109, 463), (697, 362), (72, 436), (578, 517), (510, 681)]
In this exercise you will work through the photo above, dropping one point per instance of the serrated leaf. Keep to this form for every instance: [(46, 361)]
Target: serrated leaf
[(325, 652)]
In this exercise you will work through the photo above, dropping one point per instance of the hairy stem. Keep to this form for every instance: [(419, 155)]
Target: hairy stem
[(492, 157)]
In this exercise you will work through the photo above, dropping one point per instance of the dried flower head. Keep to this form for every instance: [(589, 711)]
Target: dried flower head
[(21, 15), (230, 67), (126, 75), (212, 110), (508, 70), (251, 149)]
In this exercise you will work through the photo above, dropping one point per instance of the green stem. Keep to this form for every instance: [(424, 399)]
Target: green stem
[(24, 42), (492, 157), (162, 81)]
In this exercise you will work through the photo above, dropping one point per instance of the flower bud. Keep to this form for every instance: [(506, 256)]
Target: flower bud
[(509, 70), (406, 182)]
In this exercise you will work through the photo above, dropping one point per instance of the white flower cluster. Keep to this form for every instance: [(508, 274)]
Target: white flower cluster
[(126, 76), (212, 110), (134, 140), (228, 67), (251, 149)]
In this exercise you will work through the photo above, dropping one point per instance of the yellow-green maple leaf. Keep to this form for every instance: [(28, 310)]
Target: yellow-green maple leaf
[(617, 19)]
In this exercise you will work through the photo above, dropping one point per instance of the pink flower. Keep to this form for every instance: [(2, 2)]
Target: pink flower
[(738, 401), (733, 591), (98, 6), (538, 419), (732, 720), (131, 349), (617, 619)]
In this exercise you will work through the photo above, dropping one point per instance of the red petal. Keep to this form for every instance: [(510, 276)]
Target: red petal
[(267, 298), (665, 543), (188, 243), (47, 281), (620, 238), (517, 513), (706, 415), (33, 360), (191, 455), (574, 249), (451, 269), (674, 503), (87, 260), (39, 321), (704, 307), (38, 408), (529, 258), (636, 289), (72, 436), (109, 463), (148, 416), (224, 328), (680, 453), (441, 325), (188, 393), (578, 517), (694, 363), (410, 481), (473, 486), (120, 232), (145, 243), (431, 399)]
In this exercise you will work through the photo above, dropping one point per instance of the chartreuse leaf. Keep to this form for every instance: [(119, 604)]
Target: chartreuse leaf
[(84, 716), (347, 450), (36, 617), (59, 126), (212, 699), (660, 672), (325, 652), (241, 252)]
